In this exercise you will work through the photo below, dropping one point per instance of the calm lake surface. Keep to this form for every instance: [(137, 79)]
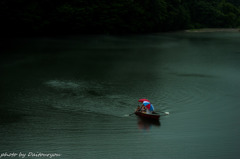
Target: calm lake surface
[(73, 96)]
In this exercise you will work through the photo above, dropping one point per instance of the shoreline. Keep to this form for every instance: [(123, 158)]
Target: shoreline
[(213, 30)]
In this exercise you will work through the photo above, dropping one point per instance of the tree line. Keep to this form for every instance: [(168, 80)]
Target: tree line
[(115, 16)]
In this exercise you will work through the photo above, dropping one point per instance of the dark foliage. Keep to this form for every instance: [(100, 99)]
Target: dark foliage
[(116, 16)]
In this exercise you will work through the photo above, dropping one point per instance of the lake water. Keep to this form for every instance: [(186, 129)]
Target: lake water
[(73, 95)]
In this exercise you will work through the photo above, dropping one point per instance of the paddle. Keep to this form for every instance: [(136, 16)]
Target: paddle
[(166, 113), (129, 114)]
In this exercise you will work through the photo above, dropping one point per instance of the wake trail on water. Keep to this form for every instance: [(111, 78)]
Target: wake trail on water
[(88, 97)]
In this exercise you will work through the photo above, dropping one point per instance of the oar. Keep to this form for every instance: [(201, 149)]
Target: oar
[(129, 114), (166, 113)]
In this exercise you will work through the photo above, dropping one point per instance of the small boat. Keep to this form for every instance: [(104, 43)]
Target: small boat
[(153, 116)]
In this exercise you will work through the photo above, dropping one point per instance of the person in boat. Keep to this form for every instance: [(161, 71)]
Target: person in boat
[(138, 109), (148, 111), (143, 109)]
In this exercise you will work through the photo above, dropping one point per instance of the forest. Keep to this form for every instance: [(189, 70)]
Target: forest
[(37, 17)]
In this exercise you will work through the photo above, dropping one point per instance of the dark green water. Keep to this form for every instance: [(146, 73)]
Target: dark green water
[(72, 96)]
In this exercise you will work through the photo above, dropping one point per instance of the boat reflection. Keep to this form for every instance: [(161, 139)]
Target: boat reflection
[(146, 124)]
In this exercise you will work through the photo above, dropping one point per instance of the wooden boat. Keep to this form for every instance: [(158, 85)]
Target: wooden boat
[(153, 116)]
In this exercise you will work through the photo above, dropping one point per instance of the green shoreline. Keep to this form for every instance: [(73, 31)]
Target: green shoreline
[(214, 30)]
